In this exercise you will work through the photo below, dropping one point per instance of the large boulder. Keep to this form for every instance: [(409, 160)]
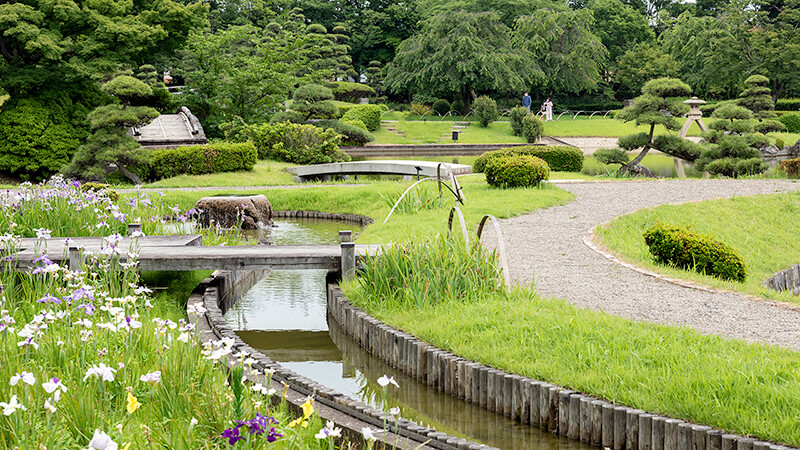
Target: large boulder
[(252, 211)]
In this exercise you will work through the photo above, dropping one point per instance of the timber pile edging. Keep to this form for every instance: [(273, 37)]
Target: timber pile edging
[(537, 403), (350, 414)]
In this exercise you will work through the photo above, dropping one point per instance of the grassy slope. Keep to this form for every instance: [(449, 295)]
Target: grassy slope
[(762, 229), (744, 388)]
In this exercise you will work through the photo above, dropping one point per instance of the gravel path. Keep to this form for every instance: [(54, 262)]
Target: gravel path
[(548, 245)]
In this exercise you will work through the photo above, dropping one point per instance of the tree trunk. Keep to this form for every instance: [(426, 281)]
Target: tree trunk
[(466, 98), (129, 175), (635, 165)]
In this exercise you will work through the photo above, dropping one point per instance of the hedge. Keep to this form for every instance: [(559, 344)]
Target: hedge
[(560, 158), (791, 121), (203, 159), (369, 114), (683, 248), (353, 133), (788, 104), (511, 171)]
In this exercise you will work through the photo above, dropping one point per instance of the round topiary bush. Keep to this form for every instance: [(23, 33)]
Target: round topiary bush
[(532, 128), (517, 114), (681, 247), (516, 171), (559, 158), (485, 109)]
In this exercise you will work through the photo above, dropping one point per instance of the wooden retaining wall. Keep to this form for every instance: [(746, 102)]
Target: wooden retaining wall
[(348, 413), (537, 403), (355, 218)]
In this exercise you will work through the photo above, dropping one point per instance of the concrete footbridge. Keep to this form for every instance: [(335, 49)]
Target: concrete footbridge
[(185, 253), (380, 167)]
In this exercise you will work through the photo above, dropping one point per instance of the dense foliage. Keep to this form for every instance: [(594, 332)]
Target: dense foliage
[(353, 131), (683, 248), (299, 144), (510, 171), (202, 159), (532, 128), (791, 121), (38, 139)]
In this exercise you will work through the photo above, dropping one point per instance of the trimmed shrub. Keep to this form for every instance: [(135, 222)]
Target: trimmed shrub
[(203, 159), (683, 248), (352, 133), (369, 114), (98, 187), (532, 128), (441, 106), (485, 109), (350, 92), (558, 158), (516, 171), (791, 167), (792, 122), (299, 144), (769, 126), (517, 114), (779, 143), (356, 123)]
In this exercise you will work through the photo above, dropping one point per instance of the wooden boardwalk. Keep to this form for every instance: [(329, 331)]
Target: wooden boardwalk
[(184, 252)]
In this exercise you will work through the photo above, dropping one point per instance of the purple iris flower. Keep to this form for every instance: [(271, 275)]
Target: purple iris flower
[(88, 308), (49, 299), (232, 435)]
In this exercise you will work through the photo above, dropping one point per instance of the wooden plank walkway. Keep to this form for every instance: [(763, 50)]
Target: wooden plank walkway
[(184, 252)]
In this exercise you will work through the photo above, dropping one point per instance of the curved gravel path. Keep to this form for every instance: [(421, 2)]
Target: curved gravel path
[(548, 245)]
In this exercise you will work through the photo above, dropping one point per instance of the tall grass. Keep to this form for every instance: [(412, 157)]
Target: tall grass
[(412, 274), (423, 197)]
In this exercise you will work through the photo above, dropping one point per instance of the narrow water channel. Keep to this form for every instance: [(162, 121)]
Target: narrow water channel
[(284, 316)]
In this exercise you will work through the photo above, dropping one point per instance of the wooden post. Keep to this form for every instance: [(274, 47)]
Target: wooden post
[(608, 425), (645, 431), (620, 423), (574, 431), (700, 436), (563, 411), (685, 435), (134, 228), (348, 263), (671, 433), (597, 422), (586, 419), (729, 441), (657, 442), (75, 258), (632, 429)]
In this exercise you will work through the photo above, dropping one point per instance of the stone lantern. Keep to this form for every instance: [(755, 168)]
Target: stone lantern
[(695, 115)]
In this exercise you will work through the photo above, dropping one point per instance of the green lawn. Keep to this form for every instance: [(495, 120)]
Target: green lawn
[(762, 229), (265, 173), (376, 200)]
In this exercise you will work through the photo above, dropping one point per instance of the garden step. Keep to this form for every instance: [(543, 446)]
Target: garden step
[(465, 124)]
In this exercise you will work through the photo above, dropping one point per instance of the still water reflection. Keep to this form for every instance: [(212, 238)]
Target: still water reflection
[(284, 316)]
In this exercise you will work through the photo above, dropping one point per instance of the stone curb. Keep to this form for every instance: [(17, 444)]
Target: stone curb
[(355, 218), (349, 414), (550, 407)]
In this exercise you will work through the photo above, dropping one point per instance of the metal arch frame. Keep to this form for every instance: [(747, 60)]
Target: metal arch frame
[(457, 210), (577, 114), (607, 113), (456, 192), (565, 112), (592, 114), (501, 247)]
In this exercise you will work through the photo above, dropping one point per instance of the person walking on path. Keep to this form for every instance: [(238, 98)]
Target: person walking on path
[(548, 110), (526, 101)]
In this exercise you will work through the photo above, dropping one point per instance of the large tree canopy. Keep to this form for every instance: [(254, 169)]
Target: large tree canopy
[(460, 52), (562, 48), (53, 42)]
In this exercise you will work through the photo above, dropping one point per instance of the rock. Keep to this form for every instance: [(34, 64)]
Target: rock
[(639, 171), (769, 150), (252, 211)]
